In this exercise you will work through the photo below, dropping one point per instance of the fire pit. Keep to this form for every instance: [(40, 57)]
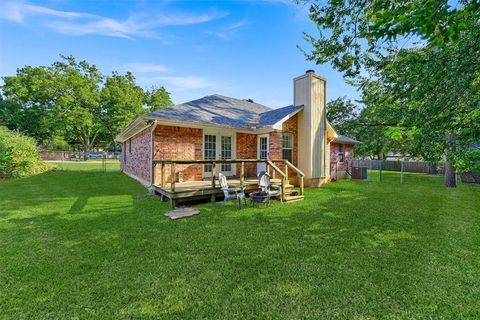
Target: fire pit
[(259, 197)]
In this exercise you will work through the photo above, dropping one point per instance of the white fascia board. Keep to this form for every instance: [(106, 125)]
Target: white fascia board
[(199, 125), (278, 125), (136, 126)]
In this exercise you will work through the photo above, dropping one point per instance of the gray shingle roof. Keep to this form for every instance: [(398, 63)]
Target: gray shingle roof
[(345, 139), (215, 109), (273, 116)]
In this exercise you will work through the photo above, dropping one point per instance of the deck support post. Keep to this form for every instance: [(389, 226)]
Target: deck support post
[(214, 173), (162, 175), (267, 168), (286, 171), (301, 185), (242, 173), (172, 177), (153, 173)]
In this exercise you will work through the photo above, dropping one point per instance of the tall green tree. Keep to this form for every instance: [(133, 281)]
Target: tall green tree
[(157, 98), (29, 104), (78, 104), (430, 88), (72, 101), (342, 114), (122, 100)]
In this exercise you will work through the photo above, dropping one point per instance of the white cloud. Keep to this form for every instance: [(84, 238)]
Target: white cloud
[(79, 23), (228, 31), (139, 67)]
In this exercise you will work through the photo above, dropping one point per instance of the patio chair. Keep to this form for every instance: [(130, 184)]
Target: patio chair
[(265, 185), (231, 194)]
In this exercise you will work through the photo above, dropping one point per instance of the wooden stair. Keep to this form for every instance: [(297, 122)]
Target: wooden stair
[(293, 198), (289, 189)]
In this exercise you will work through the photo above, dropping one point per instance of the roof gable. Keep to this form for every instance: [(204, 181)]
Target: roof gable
[(215, 109), (275, 116)]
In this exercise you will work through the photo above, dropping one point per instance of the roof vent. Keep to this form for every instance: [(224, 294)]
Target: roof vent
[(309, 71)]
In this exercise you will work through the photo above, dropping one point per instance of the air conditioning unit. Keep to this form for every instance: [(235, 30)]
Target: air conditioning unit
[(359, 173)]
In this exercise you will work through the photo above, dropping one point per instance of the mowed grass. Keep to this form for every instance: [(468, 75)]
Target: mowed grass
[(89, 165), (82, 245)]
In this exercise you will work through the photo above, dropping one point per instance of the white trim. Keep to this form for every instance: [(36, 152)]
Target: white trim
[(278, 124), (262, 166), (219, 132), (136, 126), (199, 125), (133, 128), (152, 151)]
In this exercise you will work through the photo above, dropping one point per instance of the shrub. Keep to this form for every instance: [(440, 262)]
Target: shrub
[(18, 155)]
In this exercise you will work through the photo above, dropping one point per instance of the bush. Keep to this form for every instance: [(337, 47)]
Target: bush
[(18, 155)]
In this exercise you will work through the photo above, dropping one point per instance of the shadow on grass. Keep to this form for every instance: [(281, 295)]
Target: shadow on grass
[(72, 242)]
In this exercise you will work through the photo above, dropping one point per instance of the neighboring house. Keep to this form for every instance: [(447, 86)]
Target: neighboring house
[(219, 127)]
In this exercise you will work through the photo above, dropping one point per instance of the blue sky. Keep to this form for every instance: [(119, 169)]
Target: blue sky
[(243, 49)]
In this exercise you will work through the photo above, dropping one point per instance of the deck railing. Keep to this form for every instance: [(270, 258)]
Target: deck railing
[(270, 167)]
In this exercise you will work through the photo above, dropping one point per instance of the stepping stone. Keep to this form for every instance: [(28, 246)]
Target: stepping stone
[(182, 213)]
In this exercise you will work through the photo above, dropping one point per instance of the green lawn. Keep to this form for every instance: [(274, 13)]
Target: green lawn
[(89, 165), (82, 245)]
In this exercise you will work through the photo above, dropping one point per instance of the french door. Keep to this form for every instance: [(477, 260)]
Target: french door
[(262, 152), (218, 145)]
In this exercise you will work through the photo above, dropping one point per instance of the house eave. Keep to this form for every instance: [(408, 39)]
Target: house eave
[(278, 124), (138, 125), (142, 122)]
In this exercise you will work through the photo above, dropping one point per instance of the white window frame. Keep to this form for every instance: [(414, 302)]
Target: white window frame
[(343, 153), (261, 166), (219, 133), (291, 146)]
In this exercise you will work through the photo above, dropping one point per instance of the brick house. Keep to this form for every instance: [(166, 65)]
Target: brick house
[(219, 127)]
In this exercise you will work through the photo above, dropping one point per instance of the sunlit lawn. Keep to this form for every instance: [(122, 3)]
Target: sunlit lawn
[(81, 244), (90, 165)]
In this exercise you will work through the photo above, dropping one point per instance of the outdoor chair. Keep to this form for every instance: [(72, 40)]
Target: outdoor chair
[(231, 194), (265, 185)]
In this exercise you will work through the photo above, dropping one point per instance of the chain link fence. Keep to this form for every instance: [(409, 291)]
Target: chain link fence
[(80, 161)]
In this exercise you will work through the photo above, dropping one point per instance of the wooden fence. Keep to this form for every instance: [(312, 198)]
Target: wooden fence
[(388, 165)]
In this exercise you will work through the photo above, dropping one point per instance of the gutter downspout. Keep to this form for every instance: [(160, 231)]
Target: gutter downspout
[(152, 152)]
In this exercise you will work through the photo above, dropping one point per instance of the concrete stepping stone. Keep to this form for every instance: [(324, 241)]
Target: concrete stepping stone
[(182, 213)]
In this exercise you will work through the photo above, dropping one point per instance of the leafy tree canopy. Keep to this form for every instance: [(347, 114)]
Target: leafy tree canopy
[(71, 101), (417, 63)]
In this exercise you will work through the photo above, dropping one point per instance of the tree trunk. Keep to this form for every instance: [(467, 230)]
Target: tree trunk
[(450, 178), (432, 168), (85, 154)]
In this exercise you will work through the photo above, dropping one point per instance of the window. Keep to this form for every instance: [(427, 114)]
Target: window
[(287, 147), (219, 145), (340, 153), (210, 150), (226, 152), (130, 145), (263, 148)]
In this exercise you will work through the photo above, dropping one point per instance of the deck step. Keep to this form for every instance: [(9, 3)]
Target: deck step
[(293, 198)]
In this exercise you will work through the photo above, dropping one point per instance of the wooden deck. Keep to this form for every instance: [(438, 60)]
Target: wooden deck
[(193, 190)]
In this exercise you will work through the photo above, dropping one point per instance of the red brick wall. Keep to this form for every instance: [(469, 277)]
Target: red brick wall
[(135, 159), (178, 143), (276, 141), (247, 149), (348, 155)]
